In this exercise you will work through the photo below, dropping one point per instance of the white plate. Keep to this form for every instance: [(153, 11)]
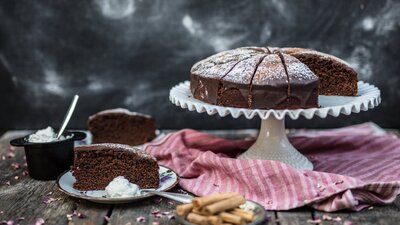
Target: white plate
[(168, 179), (368, 97)]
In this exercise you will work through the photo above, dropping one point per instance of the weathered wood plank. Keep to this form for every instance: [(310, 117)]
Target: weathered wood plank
[(151, 210), (294, 217), (388, 214), (397, 202)]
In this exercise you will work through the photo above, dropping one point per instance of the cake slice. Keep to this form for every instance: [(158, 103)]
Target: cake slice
[(96, 165), (336, 76), (121, 126)]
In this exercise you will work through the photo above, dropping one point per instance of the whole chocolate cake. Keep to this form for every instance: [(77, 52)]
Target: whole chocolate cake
[(266, 78), (121, 126), (95, 166)]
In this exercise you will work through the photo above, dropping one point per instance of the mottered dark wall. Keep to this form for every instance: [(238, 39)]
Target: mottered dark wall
[(129, 53)]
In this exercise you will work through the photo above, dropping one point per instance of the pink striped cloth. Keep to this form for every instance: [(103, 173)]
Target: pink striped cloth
[(354, 168)]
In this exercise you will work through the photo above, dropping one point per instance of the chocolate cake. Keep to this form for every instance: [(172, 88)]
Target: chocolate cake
[(335, 75), (95, 166), (268, 78), (121, 126)]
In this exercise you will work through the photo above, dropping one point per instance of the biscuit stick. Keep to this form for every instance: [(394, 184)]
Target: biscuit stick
[(230, 218), (197, 219), (214, 220), (247, 215), (203, 201), (226, 204), (184, 210)]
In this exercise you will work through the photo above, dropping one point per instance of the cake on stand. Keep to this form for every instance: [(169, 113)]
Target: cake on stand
[(272, 142)]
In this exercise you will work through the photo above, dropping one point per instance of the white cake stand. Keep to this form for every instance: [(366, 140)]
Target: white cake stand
[(272, 142)]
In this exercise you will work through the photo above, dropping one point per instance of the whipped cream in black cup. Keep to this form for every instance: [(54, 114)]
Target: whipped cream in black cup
[(47, 160)]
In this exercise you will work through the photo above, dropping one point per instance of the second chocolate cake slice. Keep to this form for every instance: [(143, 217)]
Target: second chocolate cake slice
[(95, 166)]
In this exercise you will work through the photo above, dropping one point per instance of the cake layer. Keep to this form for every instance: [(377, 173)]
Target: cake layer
[(121, 126), (95, 166)]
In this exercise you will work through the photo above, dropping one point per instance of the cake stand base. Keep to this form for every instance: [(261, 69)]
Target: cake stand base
[(272, 144)]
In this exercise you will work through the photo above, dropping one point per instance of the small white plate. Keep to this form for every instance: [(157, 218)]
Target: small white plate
[(168, 180)]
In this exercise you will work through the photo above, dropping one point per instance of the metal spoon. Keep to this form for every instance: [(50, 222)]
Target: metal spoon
[(68, 116), (184, 198)]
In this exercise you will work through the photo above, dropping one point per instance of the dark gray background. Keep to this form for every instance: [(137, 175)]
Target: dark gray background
[(129, 53)]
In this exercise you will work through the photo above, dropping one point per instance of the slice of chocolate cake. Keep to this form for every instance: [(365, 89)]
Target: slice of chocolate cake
[(121, 126), (95, 166)]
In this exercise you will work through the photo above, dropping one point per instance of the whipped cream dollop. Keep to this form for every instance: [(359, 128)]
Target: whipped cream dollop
[(45, 135), (121, 187)]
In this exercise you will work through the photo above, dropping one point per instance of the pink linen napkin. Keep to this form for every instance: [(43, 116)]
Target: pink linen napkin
[(353, 168)]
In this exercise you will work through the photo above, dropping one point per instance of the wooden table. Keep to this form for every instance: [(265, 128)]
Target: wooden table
[(27, 200)]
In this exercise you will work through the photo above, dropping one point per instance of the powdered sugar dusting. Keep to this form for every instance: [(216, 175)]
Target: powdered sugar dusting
[(119, 111), (270, 70), (297, 70), (221, 63), (243, 71)]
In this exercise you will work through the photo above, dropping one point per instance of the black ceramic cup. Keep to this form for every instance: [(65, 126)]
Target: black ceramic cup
[(48, 160)]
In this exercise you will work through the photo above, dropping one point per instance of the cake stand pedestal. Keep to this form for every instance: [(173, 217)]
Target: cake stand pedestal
[(272, 142)]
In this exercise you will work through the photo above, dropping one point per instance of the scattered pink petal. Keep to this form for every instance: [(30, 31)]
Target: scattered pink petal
[(156, 223), (1, 212), (338, 182), (77, 214), (39, 221), (347, 222), (316, 221), (25, 164), (15, 165), (107, 218), (3, 157), (10, 154), (49, 200), (24, 173), (337, 219), (10, 222), (157, 200), (141, 219), (8, 183), (171, 217), (171, 203), (166, 213), (156, 211), (326, 217), (81, 215)]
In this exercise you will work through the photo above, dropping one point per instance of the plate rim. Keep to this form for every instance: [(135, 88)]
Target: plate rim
[(113, 199)]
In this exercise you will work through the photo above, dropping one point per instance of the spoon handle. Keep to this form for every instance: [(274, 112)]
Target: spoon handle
[(68, 116), (183, 198)]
